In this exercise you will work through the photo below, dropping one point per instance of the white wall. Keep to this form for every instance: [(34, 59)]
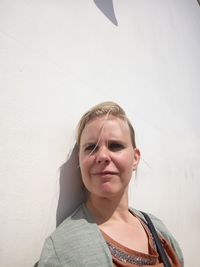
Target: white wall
[(57, 59)]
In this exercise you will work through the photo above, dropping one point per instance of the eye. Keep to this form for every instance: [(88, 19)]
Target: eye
[(90, 148), (116, 146)]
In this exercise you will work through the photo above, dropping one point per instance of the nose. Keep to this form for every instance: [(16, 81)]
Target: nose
[(102, 155)]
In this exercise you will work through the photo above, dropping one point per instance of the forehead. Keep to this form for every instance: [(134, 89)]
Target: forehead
[(106, 126)]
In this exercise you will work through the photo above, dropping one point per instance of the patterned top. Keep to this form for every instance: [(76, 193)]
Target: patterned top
[(125, 257)]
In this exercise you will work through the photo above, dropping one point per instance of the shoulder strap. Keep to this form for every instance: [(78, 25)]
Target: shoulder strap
[(159, 246)]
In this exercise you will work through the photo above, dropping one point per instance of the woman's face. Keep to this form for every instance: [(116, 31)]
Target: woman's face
[(106, 156)]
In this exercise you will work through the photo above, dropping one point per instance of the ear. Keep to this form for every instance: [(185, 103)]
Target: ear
[(136, 160)]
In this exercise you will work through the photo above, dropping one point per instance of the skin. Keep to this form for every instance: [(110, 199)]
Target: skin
[(107, 160)]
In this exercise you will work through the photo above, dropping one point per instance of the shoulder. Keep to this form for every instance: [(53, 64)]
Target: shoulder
[(75, 227), (158, 224), (64, 236), (72, 223), (76, 239), (163, 231)]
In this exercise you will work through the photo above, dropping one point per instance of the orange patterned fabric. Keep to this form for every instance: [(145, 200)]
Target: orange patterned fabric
[(125, 257)]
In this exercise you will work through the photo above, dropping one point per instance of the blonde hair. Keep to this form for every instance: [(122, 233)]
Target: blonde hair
[(104, 108)]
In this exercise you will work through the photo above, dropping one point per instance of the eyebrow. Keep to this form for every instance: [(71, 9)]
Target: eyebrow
[(108, 142), (117, 141)]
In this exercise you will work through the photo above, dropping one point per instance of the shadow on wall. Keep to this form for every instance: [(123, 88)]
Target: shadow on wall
[(72, 190), (106, 6)]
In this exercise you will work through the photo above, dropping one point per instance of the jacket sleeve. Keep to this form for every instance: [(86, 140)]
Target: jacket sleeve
[(48, 256)]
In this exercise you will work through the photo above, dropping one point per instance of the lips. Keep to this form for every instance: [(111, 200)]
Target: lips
[(102, 173)]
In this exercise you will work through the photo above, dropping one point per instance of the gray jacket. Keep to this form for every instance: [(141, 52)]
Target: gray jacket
[(78, 242)]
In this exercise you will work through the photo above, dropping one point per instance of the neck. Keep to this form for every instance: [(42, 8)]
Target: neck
[(105, 210)]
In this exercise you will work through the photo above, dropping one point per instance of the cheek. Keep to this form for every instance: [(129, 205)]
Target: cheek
[(125, 162), (85, 163)]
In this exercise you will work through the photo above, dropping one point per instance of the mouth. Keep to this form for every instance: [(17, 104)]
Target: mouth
[(105, 173)]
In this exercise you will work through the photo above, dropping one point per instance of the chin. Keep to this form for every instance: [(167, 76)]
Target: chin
[(109, 192)]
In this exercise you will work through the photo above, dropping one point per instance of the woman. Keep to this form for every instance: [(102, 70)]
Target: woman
[(104, 231)]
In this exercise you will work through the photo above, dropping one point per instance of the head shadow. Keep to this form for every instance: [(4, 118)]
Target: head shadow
[(106, 7), (72, 189)]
